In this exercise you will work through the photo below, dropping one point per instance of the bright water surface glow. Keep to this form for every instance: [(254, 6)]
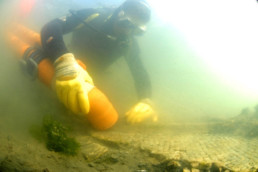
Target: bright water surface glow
[(223, 34)]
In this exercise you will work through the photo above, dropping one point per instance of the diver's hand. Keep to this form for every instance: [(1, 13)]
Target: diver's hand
[(140, 112), (72, 84)]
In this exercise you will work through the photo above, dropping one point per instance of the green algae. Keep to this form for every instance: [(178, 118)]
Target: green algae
[(54, 134)]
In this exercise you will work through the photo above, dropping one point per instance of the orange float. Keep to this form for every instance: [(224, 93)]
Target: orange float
[(102, 114)]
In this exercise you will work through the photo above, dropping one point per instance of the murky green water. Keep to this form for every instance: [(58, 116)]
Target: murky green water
[(201, 123)]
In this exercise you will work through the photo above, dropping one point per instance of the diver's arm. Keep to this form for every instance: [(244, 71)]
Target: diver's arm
[(138, 71), (71, 82), (52, 33), (143, 109)]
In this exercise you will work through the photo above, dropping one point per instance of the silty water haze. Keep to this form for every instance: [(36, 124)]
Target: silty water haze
[(201, 55)]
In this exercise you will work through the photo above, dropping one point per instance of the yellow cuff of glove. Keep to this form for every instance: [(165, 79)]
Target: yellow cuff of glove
[(72, 84), (140, 112)]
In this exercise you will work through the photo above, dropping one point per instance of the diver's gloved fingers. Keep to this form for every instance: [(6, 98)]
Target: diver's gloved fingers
[(59, 89), (62, 92), (132, 118), (138, 107), (144, 109), (64, 95), (140, 117), (83, 100), (130, 113), (69, 75), (138, 120), (72, 100), (140, 112)]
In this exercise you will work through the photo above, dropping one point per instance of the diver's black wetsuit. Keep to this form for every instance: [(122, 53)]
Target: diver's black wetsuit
[(94, 46)]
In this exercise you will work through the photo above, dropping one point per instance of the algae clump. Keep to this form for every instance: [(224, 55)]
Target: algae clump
[(55, 136)]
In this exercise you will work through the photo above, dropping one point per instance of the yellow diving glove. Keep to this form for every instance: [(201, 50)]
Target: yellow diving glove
[(72, 84), (140, 112)]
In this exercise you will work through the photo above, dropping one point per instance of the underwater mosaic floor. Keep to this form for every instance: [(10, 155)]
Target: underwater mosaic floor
[(135, 148), (233, 152)]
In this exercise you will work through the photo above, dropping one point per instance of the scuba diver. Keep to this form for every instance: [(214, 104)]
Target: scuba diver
[(100, 36)]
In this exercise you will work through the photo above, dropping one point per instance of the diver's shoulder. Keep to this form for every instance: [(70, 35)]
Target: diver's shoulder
[(86, 11), (89, 11), (105, 10)]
